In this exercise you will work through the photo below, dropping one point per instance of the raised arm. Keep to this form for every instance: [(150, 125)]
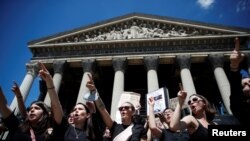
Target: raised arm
[(99, 104), (4, 108), (176, 123), (55, 102), (151, 119), (236, 57), (235, 79), (15, 89)]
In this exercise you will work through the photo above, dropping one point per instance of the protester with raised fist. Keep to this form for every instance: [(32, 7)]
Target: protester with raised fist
[(240, 87)]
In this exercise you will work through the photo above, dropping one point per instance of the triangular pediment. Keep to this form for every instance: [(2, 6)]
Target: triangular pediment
[(140, 27)]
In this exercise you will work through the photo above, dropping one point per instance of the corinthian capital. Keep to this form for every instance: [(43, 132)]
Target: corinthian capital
[(151, 62), (88, 65), (119, 64), (59, 66), (216, 59), (32, 68), (184, 61)]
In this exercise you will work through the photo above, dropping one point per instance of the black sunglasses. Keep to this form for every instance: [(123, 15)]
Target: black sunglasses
[(195, 99), (125, 107)]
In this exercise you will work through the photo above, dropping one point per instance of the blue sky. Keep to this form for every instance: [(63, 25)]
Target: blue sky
[(22, 21)]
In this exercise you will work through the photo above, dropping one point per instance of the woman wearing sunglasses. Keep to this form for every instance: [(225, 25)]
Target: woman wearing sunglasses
[(128, 130), (197, 123)]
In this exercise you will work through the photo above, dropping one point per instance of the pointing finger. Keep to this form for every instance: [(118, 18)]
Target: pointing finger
[(181, 87), (90, 77), (237, 44)]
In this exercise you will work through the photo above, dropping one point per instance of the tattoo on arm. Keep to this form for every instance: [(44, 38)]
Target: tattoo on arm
[(100, 104)]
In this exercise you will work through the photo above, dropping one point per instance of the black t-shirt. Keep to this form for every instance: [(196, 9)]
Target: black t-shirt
[(74, 134), (137, 131), (168, 135), (240, 108), (201, 134), (15, 133)]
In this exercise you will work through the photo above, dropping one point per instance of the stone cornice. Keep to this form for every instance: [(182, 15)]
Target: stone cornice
[(190, 45)]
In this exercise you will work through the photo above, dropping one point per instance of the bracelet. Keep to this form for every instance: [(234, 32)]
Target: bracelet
[(51, 87)]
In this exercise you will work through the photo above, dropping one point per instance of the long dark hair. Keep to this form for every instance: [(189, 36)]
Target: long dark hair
[(43, 125), (209, 110), (88, 125)]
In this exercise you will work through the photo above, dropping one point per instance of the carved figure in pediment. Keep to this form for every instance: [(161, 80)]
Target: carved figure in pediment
[(134, 30), (174, 33), (87, 38), (100, 36), (76, 39), (125, 32), (145, 31), (108, 36), (115, 34), (182, 33), (165, 33), (157, 31), (82, 37), (195, 32), (119, 35)]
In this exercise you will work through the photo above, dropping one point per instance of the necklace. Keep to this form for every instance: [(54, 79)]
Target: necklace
[(77, 134)]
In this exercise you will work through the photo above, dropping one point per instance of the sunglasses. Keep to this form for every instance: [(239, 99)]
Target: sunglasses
[(124, 107), (195, 99), (167, 112)]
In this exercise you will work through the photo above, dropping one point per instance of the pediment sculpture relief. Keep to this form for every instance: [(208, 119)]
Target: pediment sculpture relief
[(136, 29)]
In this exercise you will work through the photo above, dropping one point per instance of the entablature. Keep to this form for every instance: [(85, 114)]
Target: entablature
[(183, 45)]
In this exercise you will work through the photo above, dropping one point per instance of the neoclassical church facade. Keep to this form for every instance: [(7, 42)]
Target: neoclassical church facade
[(139, 53)]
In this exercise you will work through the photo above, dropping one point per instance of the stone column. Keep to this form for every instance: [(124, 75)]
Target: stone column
[(88, 66), (184, 62), (58, 67), (151, 63), (32, 71), (221, 79), (119, 65)]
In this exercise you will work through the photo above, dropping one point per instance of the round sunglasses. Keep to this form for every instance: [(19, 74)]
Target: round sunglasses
[(195, 99)]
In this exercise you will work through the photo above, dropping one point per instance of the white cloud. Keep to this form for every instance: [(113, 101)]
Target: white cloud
[(205, 4), (242, 5)]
